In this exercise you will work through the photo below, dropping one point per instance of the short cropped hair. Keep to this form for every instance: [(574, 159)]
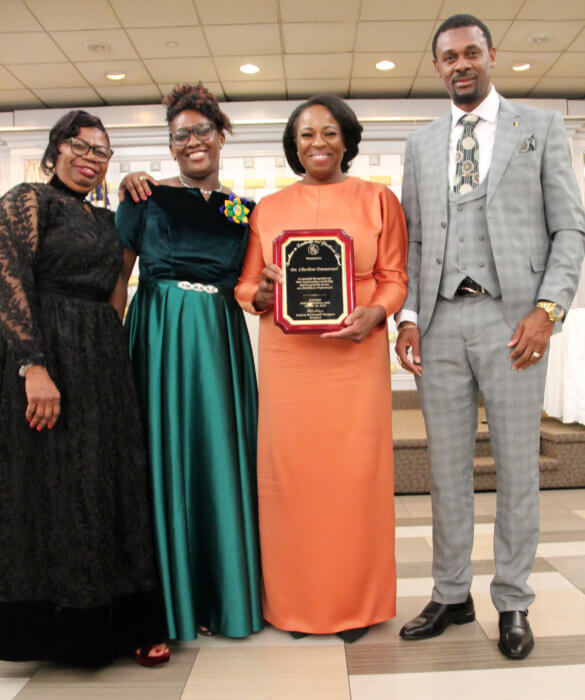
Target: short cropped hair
[(457, 21), (67, 127), (200, 99), (351, 130)]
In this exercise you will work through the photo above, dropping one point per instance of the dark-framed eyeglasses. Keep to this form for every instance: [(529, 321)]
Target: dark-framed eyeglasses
[(202, 131), (80, 147)]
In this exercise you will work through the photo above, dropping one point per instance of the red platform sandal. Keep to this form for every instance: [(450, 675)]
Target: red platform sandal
[(154, 655)]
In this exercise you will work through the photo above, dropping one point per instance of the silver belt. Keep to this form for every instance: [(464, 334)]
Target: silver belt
[(198, 287)]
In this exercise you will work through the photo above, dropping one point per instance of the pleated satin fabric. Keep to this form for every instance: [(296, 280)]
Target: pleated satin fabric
[(197, 387)]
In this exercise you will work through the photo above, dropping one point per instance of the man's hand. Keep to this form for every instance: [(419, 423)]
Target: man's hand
[(530, 339), (409, 337)]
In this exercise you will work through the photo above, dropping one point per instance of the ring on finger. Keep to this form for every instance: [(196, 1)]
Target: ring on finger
[(536, 355), (142, 177)]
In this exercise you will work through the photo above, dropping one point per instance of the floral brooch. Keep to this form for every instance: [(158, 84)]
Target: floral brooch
[(235, 209)]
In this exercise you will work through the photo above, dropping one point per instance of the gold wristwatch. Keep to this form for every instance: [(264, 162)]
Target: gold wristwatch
[(555, 311)]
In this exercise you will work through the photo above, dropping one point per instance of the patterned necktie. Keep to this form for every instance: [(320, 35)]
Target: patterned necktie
[(467, 157)]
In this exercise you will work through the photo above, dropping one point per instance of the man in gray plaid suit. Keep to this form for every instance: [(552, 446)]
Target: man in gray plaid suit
[(496, 239)]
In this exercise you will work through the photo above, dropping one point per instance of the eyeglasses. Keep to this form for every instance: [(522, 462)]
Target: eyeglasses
[(202, 131), (81, 148)]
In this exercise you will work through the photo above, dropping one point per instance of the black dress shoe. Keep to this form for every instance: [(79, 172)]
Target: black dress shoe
[(516, 640), (436, 617), (353, 635), (299, 635)]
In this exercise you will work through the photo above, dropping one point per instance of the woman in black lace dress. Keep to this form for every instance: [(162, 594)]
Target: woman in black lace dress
[(77, 576)]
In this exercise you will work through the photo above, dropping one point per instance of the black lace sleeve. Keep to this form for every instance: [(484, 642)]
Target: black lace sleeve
[(18, 242)]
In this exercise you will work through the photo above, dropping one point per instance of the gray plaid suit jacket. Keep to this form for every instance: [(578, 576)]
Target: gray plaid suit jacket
[(535, 214)]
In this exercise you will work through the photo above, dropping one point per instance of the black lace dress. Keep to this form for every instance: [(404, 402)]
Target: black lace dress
[(77, 576)]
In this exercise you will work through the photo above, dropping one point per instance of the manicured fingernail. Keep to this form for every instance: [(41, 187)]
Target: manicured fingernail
[(148, 192)]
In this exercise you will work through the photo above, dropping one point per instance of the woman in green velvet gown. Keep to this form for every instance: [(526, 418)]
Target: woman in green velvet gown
[(195, 375)]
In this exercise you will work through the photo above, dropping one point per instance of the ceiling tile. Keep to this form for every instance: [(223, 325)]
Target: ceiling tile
[(74, 44), (427, 87), (48, 75), (426, 68), (236, 11), (29, 47), (215, 88), (8, 81), (517, 36), (18, 99), (364, 65), (302, 89), (380, 87), (73, 14), (579, 43), (228, 68), (570, 88), (568, 65), (494, 9), (69, 97), (326, 37), (129, 94), (95, 72), (517, 86), (230, 40), (154, 43), (382, 9), (319, 10), (17, 18), (154, 13), (397, 36), (539, 62), (545, 9), (261, 89), (328, 65), (188, 70)]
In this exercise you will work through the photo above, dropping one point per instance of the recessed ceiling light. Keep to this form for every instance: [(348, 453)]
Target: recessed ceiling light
[(172, 44), (115, 76), (249, 68), (385, 65), (521, 66), (97, 46)]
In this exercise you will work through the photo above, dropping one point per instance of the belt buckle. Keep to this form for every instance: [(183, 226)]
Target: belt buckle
[(198, 287), (469, 291)]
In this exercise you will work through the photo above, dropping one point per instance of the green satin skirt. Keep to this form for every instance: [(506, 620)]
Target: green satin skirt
[(196, 382)]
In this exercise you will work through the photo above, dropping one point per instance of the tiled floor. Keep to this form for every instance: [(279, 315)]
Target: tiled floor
[(463, 661)]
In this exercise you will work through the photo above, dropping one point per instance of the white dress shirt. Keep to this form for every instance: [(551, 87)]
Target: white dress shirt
[(485, 132)]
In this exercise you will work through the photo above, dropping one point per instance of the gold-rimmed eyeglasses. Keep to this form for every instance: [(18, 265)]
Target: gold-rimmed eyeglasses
[(80, 147)]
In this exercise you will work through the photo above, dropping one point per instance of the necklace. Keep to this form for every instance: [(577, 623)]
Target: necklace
[(204, 191)]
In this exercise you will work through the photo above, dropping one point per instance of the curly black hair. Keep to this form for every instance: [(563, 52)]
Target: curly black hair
[(351, 130), (457, 21), (199, 98), (67, 127)]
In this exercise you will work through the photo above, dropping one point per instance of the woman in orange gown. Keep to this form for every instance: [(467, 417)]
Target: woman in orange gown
[(325, 465)]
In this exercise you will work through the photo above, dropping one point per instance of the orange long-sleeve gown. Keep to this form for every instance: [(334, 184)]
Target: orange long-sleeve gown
[(325, 464)]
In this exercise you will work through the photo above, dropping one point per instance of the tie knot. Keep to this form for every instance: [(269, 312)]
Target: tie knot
[(469, 119)]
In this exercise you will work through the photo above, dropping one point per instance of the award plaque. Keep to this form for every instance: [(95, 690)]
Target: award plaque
[(318, 291)]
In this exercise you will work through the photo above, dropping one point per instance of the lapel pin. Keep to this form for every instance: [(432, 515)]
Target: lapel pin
[(516, 123)]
